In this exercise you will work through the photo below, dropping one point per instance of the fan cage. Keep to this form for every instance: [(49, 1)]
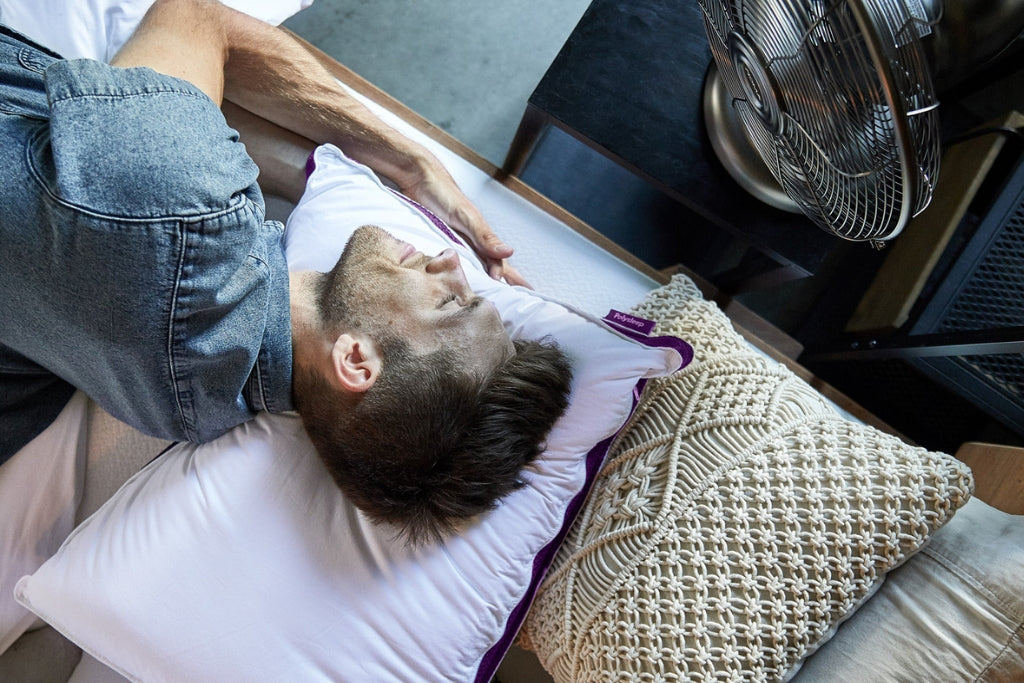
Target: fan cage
[(850, 128)]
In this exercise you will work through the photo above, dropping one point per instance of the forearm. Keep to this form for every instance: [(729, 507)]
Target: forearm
[(233, 57), (270, 74)]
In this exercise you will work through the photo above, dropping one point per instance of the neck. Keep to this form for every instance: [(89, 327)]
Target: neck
[(307, 332)]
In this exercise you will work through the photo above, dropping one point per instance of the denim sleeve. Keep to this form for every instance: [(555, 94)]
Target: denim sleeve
[(147, 275)]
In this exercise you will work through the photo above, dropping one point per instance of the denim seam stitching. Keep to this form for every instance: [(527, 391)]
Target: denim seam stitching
[(171, 364), (124, 96), (27, 59), (1016, 633), (964, 575), (10, 111)]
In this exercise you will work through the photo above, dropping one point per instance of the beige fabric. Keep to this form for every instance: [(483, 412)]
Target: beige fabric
[(114, 452), (737, 521)]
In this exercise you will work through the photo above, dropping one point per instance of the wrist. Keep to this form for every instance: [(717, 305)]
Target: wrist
[(414, 166)]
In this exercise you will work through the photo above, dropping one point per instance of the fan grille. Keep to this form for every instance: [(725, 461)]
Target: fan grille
[(837, 99)]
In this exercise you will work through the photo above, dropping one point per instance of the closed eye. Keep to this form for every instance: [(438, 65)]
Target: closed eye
[(447, 300)]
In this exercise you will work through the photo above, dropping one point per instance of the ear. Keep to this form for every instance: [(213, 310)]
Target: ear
[(355, 362)]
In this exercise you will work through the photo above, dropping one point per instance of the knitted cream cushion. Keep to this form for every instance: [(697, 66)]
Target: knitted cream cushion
[(737, 520)]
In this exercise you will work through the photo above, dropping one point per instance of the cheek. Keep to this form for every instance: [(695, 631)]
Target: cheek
[(389, 308)]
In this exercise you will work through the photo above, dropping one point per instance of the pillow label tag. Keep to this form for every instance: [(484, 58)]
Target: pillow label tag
[(629, 322), (639, 330)]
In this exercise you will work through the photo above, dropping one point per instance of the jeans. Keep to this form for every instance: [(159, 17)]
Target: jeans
[(135, 263)]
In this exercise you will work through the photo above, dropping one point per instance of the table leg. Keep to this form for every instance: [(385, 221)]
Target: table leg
[(530, 127)]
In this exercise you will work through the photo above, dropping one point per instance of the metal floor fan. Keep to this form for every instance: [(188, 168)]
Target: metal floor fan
[(838, 99)]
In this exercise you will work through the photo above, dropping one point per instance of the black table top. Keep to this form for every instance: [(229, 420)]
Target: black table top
[(629, 82)]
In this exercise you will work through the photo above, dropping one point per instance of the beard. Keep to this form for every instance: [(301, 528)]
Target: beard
[(345, 293)]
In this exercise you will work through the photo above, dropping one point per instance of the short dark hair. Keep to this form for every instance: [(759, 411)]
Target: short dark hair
[(429, 445)]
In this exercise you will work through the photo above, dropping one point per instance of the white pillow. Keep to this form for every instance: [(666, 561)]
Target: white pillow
[(97, 29), (40, 487), (240, 560)]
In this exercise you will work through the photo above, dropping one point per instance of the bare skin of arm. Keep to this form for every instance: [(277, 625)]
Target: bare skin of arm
[(282, 99)]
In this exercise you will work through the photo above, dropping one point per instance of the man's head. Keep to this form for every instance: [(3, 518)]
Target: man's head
[(420, 405)]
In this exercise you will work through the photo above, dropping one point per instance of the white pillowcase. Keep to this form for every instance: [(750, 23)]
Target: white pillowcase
[(40, 487), (240, 560), (98, 28)]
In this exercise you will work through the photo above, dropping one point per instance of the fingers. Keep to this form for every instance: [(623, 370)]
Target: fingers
[(468, 220), (485, 242), (439, 192), (502, 270), (489, 245), (494, 253)]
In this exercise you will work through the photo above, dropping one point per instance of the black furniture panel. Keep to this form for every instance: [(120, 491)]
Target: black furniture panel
[(628, 82)]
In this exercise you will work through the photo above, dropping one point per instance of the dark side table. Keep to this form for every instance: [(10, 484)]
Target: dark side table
[(628, 83)]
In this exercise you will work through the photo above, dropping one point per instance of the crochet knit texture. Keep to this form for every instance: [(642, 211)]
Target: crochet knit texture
[(737, 520)]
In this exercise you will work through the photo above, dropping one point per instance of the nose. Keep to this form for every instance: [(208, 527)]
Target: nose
[(446, 261)]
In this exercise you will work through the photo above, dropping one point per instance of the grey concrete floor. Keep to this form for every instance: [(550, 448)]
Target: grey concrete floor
[(468, 66)]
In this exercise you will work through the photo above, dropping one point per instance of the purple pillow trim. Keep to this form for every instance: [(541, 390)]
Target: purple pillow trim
[(310, 164), (639, 329), (543, 559), (438, 223)]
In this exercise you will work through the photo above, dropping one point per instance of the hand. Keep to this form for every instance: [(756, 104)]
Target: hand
[(435, 189)]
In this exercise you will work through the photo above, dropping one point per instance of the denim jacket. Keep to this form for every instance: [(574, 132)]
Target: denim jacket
[(135, 263)]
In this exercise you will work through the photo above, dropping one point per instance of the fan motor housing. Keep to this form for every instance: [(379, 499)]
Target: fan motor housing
[(759, 87)]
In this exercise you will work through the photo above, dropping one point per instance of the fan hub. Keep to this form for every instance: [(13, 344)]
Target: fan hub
[(759, 88)]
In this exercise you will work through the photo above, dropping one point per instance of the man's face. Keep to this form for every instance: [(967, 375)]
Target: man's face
[(386, 286)]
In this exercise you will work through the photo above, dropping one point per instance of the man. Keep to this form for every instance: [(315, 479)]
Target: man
[(136, 266)]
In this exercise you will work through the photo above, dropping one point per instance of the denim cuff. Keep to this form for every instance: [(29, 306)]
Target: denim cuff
[(73, 78), (269, 386)]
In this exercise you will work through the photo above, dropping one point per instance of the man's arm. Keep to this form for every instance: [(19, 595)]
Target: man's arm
[(232, 56)]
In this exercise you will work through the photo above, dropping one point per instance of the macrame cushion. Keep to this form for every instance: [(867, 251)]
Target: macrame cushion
[(737, 521)]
